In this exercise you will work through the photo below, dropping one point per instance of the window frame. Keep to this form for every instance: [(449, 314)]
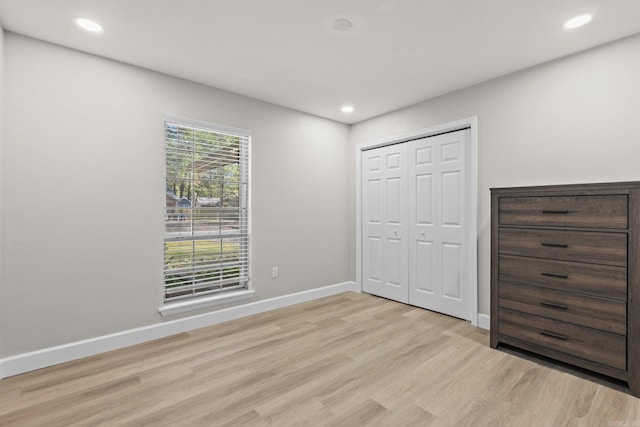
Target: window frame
[(212, 297)]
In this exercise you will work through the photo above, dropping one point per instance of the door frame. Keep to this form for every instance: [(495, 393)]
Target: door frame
[(472, 208)]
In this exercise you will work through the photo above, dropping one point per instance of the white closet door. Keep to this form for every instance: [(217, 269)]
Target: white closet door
[(384, 222), (439, 276)]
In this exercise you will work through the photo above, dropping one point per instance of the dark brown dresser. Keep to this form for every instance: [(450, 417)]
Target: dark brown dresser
[(565, 274)]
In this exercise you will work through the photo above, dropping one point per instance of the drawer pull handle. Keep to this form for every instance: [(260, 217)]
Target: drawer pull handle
[(559, 276), (555, 245), (552, 335), (553, 211), (553, 305)]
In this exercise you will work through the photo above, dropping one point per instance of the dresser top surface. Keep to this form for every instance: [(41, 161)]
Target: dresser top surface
[(596, 187)]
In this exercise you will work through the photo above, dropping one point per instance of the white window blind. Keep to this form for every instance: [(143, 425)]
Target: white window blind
[(206, 243)]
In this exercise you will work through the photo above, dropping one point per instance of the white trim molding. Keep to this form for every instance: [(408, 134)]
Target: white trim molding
[(472, 124), (18, 364), (204, 302), (484, 321)]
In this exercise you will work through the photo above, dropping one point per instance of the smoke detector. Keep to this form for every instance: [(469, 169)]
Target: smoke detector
[(342, 24)]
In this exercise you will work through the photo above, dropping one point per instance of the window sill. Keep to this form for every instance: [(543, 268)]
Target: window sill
[(209, 301)]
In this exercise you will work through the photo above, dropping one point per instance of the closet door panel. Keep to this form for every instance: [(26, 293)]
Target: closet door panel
[(424, 199), (374, 260), (384, 216), (372, 217), (414, 223), (451, 271), (439, 280), (424, 271), (452, 203)]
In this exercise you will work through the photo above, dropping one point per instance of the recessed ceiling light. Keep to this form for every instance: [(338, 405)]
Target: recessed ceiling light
[(89, 25), (577, 21), (347, 109)]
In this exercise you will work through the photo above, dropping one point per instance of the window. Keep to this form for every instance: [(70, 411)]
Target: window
[(206, 243)]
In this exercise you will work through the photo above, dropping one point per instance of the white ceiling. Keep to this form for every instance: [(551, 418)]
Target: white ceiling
[(398, 52)]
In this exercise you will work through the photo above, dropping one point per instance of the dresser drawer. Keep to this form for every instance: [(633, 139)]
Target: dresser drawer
[(592, 279), (580, 246), (606, 315), (606, 211), (590, 344)]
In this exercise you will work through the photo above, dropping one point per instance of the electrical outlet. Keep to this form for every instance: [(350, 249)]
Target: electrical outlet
[(274, 272)]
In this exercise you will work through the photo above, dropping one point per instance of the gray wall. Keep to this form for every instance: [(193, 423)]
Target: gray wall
[(1, 165), (82, 231), (83, 190), (569, 121)]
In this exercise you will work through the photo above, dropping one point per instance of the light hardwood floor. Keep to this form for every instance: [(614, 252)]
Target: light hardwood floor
[(346, 360)]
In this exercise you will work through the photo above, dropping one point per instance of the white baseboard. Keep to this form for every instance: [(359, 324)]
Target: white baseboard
[(26, 362), (484, 321)]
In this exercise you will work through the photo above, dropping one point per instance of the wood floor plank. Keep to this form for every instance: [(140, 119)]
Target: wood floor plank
[(346, 360)]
